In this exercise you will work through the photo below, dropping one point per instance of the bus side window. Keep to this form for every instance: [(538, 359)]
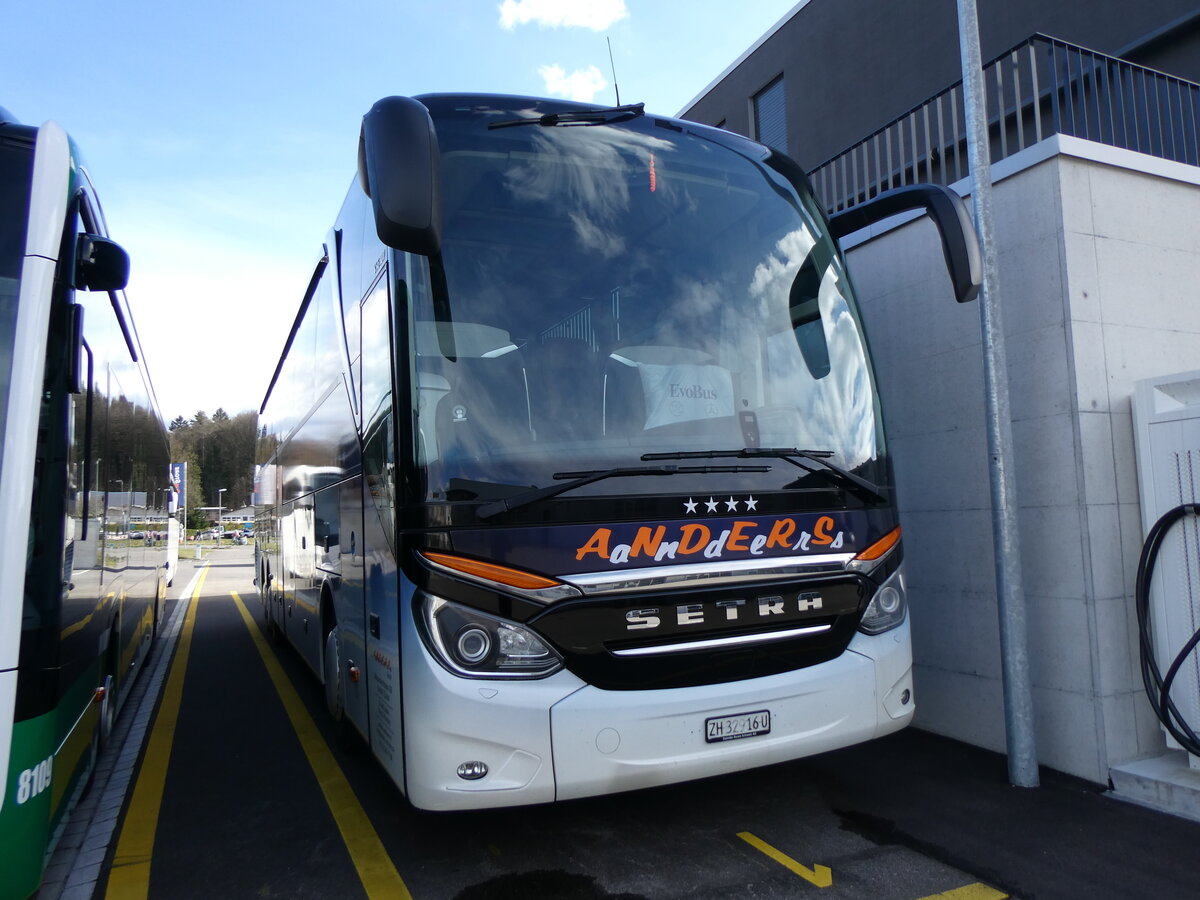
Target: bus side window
[(379, 451), (379, 465), (376, 352)]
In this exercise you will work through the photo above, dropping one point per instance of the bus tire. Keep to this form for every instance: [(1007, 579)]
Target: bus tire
[(100, 734), (270, 627), (334, 699), (108, 714), (155, 619)]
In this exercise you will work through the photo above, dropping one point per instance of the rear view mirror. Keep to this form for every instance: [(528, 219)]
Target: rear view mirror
[(960, 244), (398, 169), (100, 264)]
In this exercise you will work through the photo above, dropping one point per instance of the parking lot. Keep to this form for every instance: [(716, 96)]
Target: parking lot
[(241, 789)]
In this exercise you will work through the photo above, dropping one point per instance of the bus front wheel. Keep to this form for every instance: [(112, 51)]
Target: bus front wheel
[(108, 712), (333, 675)]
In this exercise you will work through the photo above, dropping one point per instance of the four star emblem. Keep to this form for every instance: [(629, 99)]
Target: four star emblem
[(711, 505)]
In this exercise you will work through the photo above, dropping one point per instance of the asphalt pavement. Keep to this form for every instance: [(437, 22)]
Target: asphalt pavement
[(1067, 838), (913, 798)]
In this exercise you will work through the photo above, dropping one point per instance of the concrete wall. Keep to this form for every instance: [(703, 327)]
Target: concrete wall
[(1099, 280)]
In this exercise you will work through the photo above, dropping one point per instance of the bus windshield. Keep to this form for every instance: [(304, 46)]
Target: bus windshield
[(608, 291), (16, 164)]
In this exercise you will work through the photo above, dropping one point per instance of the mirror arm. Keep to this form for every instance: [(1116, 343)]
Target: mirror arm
[(960, 244)]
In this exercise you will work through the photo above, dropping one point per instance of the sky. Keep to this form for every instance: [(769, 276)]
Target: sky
[(222, 137)]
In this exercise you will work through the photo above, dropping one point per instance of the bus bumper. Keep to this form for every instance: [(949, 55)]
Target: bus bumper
[(561, 739), (451, 722), (609, 741)]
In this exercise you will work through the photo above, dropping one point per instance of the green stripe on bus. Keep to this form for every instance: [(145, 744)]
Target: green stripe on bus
[(25, 815)]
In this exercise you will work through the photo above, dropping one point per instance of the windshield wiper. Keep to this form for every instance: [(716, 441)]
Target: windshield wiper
[(572, 480), (605, 116), (787, 454)]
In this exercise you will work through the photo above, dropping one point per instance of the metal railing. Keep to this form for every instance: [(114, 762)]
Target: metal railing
[(1041, 87)]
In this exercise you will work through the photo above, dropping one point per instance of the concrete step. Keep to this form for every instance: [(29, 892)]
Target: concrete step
[(1165, 783)]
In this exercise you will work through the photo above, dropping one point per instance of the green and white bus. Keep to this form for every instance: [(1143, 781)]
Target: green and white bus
[(83, 454)]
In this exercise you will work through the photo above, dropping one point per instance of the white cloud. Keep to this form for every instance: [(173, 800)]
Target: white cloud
[(582, 84), (594, 14)]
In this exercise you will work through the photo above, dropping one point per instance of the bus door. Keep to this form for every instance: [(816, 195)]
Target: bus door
[(381, 578)]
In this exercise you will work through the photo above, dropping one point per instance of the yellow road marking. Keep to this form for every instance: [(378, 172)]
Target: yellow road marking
[(821, 876), (969, 892), (375, 868), (130, 875)]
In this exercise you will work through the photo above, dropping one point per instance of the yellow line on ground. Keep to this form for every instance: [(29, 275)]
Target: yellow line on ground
[(821, 876), (969, 892), (375, 868), (129, 878)]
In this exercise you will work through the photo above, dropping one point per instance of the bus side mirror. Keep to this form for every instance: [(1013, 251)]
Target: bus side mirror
[(100, 264), (398, 169), (960, 243)]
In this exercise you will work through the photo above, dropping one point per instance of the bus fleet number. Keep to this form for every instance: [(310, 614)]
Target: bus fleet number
[(33, 781)]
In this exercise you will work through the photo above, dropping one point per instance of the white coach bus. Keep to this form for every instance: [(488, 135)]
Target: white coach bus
[(572, 473)]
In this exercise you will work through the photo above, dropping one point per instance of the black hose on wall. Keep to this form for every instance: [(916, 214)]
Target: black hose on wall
[(1158, 687)]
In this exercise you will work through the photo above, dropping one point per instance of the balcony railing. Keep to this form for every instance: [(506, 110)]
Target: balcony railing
[(1041, 87)]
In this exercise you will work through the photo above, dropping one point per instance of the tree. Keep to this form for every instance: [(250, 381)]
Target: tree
[(197, 519), (220, 454)]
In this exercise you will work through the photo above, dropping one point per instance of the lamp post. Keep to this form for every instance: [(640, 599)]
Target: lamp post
[(220, 527), (1016, 675)]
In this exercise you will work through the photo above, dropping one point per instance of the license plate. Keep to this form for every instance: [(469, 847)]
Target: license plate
[(735, 727)]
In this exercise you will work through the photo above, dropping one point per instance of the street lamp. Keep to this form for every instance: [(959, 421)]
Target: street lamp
[(220, 527)]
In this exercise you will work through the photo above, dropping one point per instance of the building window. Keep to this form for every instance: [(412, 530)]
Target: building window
[(770, 120)]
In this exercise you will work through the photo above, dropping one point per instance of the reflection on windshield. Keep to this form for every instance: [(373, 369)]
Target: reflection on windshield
[(15, 170), (827, 382), (582, 176), (8, 330), (624, 290)]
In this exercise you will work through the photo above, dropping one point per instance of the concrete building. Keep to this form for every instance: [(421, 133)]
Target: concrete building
[(237, 519), (1097, 200), (843, 68)]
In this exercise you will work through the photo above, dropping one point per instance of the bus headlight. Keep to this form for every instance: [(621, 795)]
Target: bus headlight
[(479, 645), (887, 608)]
